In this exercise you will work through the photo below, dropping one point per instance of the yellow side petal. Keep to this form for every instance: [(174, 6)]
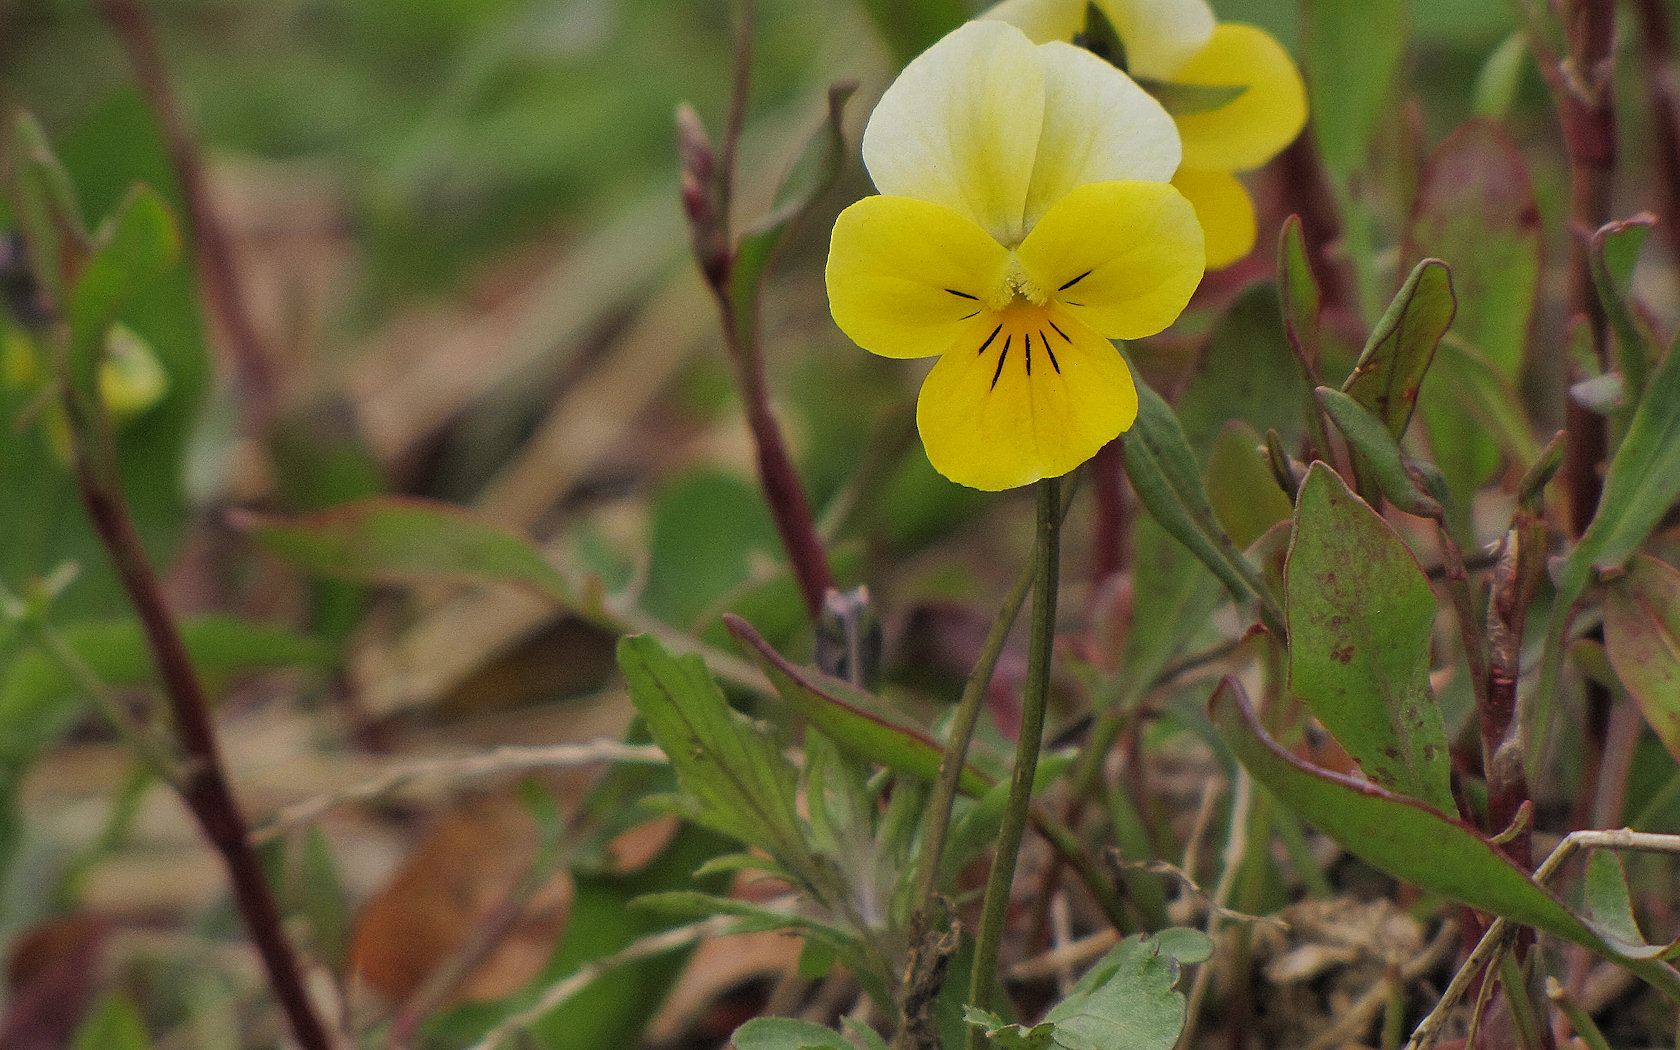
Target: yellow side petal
[(907, 277), (1256, 125), (1124, 257), (1042, 20), (989, 424), (1226, 213), (1160, 35), (1099, 126), (960, 124)]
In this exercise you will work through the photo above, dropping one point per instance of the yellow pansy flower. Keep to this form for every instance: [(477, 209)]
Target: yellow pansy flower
[(1179, 42), (1025, 220)]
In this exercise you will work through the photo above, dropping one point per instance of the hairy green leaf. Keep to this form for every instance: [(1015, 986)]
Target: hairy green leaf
[(1130, 999), (1360, 619), (734, 776)]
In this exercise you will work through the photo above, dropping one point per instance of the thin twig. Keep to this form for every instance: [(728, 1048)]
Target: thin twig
[(203, 785), (1236, 850), (500, 761), (217, 267), (581, 978)]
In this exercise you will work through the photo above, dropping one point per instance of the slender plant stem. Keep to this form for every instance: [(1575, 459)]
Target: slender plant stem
[(203, 783), (1034, 699), (709, 199), (218, 270)]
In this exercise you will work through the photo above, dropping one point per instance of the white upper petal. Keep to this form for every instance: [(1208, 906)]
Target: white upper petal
[(1160, 35), (960, 126), (1099, 126), (1042, 20)]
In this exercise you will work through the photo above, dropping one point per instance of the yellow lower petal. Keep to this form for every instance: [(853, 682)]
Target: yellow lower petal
[(1225, 210), (1035, 400), (906, 276), (1256, 125), (1123, 257)]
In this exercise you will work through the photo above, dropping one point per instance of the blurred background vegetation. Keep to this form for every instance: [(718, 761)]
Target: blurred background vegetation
[(459, 227)]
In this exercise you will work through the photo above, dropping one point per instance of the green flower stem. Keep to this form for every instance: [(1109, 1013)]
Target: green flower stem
[(1046, 562)]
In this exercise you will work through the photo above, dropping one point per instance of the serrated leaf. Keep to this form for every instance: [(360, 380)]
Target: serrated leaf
[(1642, 639), (1361, 615), (1391, 369), (1128, 999), (1476, 210), (732, 769), (1416, 843), (400, 540)]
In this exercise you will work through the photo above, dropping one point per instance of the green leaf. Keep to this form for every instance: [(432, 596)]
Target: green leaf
[(113, 1025), (1391, 368), (1641, 486), (911, 28), (400, 540), (136, 246), (850, 717), (1604, 893), (1245, 496), (1299, 297), (1642, 639), (1184, 100), (1614, 251), (45, 209), (734, 776), (1128, 999), (785, 1033), (1378, 457), (38, 700), (1360, 619), (1247, 373), (1168, 482), (1351, 53), (1501, 77), (1416, 843), (1476, 211)]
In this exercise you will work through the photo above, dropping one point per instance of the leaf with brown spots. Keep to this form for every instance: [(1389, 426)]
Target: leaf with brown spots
[(1360, 615)]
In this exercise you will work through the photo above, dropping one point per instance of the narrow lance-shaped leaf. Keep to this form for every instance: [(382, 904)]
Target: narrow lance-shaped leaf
[(1615, 249), (1391, 368), (1476, 211), (1642, 638), (401, 540), (1418, 844), (1352, 53), (849, 716), (1379, 457), (1168, 481), (1360, 619)]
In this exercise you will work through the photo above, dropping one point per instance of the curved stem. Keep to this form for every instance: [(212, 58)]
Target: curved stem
[(994, 912)]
